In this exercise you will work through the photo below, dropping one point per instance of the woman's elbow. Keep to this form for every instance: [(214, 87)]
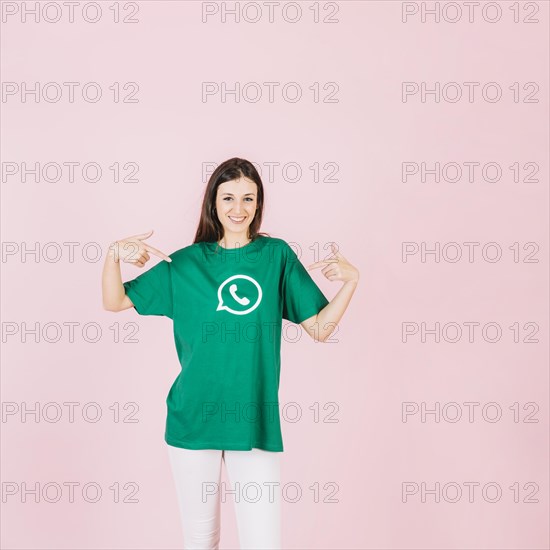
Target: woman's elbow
[(115, 308)]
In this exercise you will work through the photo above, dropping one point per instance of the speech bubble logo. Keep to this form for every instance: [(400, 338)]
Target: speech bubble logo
[(236, 295)]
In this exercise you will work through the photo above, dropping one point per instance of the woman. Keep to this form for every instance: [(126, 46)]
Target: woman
[(227, 294)]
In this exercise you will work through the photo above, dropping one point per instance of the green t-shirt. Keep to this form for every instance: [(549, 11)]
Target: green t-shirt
[(227, 307)]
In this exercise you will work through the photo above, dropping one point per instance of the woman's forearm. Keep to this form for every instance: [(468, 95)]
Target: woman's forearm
[(111, 284), (329, 317)]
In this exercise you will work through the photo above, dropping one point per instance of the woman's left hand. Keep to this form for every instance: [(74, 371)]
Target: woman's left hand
[(337, 268)]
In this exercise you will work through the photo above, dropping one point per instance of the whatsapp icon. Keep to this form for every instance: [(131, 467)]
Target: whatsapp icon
[(239, 294)]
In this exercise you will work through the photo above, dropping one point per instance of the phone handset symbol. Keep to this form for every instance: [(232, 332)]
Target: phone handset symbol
[(233, 291)]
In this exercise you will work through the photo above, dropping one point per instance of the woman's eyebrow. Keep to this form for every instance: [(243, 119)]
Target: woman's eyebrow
[(243, 195)]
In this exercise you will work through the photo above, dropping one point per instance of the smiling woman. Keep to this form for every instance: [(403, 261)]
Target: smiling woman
[(232, 206), (227, 294)]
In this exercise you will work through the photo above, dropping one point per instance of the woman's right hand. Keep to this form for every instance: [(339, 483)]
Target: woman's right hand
[(133, 250)]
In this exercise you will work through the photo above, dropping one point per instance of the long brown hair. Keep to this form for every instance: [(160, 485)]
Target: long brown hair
[(210, 229)]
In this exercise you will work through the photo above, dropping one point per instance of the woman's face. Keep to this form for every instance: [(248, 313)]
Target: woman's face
[(236, 203)]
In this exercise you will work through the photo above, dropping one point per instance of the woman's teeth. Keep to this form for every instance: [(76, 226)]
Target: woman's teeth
[(237, 220)]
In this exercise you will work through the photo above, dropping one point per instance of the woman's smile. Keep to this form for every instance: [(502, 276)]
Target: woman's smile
[(237, 220)]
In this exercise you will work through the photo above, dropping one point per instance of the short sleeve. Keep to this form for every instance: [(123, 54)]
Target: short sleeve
[(151, 292), (302, 298)]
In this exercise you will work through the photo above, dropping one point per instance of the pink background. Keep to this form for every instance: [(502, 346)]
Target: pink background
[(368, 211)]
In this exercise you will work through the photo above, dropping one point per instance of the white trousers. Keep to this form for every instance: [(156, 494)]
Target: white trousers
[(254, 487)]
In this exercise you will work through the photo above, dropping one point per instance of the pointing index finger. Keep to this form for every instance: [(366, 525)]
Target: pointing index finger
[(156, 252), (322, 262)]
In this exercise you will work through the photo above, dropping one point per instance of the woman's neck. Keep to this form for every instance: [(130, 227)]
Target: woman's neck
[(233, 242)]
